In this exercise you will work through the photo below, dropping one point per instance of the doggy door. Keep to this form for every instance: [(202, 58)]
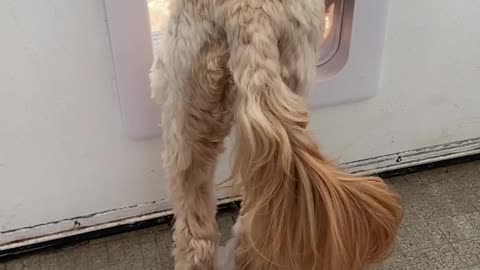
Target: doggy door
[(333, 26), (347, 70), (353, 50), (158, 10)]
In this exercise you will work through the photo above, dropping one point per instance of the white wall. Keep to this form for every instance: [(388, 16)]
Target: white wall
[(430, 88), (63, 151)]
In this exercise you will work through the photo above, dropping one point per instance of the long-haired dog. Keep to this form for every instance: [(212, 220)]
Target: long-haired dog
[(249, 63)]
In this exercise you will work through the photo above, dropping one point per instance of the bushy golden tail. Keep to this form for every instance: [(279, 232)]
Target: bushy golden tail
[(299, 210)]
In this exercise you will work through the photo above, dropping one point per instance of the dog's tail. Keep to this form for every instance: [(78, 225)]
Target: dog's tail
[(299, 210)]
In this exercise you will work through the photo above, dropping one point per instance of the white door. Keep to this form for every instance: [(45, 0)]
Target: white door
[(79, 148)]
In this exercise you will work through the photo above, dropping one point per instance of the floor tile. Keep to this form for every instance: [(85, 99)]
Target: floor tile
[(441, 230)]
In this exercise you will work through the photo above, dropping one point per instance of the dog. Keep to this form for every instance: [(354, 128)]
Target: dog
[(246, 66)]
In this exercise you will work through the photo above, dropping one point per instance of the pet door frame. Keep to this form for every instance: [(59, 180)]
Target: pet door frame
[(351, 74)]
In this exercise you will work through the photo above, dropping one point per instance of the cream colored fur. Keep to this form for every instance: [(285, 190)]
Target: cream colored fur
[(250, 63)]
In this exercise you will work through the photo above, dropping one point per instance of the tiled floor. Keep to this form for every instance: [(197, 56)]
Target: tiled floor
[(441, 231)]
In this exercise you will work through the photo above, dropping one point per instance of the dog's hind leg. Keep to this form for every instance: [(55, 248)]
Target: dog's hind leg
[(196, 119)]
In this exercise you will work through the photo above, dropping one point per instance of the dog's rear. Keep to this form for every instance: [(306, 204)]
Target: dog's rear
[(299, 210)]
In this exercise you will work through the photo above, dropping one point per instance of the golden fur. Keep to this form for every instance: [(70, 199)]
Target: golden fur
[(249, 63)]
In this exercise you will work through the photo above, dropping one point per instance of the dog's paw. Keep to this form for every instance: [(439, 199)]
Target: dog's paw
[(202, 251), (196, 254)]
